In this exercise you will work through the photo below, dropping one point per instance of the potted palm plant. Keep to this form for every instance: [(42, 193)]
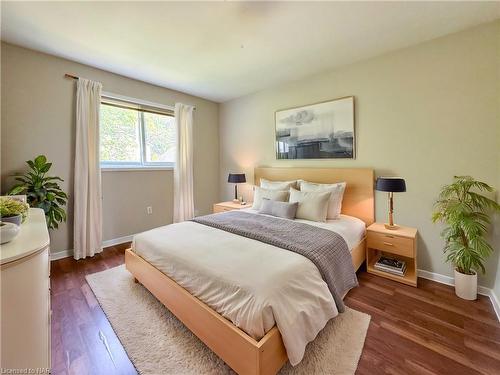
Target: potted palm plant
[(42, 191), (465, 212)]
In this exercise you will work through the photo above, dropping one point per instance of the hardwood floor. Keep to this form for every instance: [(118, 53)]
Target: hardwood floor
[(413, 331), (83, 341)]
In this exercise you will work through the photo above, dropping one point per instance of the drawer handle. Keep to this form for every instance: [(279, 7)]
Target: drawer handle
[(388, 243)]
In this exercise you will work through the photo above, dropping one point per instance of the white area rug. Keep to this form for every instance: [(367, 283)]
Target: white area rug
[(158, 343)]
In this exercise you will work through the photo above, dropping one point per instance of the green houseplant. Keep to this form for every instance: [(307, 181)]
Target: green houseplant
[(465, 212), (12, 210), (43, 191)]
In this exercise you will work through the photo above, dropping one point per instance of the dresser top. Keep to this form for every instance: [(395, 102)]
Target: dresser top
[(32, 237), (401, 231)]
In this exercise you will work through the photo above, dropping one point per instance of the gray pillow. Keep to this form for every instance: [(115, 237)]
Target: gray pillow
[(274, 195), (279, 209)]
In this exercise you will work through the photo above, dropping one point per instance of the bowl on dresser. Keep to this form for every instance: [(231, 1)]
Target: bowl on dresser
[(16, 219), (8, 231)]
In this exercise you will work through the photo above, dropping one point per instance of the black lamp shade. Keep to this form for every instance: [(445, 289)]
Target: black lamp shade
[(236, 178), (391, 184)]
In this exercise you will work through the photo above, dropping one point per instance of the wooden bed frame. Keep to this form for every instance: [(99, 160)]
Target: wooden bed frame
[(241, 352)]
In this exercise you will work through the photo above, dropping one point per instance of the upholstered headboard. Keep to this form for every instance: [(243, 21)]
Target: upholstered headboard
[(358, 198)]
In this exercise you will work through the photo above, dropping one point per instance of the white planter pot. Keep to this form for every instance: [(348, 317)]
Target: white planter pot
[(466, 286)]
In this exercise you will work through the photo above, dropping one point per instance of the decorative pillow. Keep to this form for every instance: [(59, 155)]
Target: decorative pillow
[(274, 195), (279, 209), (312, 205), (337, 190), (277, 185)]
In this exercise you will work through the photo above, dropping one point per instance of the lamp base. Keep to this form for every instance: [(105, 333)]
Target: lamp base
[(236, 201), (391, 227)]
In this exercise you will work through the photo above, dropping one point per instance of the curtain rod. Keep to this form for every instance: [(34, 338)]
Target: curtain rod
[(67, 75)]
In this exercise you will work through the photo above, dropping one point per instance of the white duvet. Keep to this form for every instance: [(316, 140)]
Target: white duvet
[(253, 284)]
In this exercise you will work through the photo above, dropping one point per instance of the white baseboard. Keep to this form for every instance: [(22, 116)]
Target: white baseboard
[(117, 241), (61, 254), (495, 301), (69, 253), (437, 277), (448, 280)]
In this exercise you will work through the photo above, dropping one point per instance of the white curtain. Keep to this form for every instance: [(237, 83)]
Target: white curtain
[(183, 173), (87, 189)]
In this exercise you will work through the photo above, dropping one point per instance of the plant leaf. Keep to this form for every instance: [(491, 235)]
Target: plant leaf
[(17, 189), (40, 161), (45, 168)]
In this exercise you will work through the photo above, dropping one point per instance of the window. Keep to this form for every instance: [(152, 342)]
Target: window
[(135, 135)]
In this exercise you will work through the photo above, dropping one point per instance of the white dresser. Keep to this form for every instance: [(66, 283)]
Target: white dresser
[(25, 296)]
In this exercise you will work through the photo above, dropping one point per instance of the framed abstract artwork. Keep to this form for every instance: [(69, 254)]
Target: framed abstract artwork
[(317, 131)]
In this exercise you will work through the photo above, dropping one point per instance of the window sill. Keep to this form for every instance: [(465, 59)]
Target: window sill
[(135, 169)]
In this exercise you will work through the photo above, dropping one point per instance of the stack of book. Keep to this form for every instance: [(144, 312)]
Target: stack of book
[(391, 265)]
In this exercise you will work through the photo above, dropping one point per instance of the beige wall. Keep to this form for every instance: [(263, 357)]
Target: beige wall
[(37, 117), (426, 113)]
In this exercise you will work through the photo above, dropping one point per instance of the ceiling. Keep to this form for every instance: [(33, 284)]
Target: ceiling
[(223, 50)]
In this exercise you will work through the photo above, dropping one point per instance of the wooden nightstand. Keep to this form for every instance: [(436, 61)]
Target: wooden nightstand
[(229, 206), (400, 243)]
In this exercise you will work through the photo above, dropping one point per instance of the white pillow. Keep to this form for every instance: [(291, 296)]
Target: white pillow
[(277, 185), (274, 195), (312, 205), (337, 190)]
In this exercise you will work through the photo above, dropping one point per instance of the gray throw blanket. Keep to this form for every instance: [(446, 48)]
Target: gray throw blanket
[(326, 249)]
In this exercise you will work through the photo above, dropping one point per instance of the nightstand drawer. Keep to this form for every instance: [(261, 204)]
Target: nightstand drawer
[(393, 244)]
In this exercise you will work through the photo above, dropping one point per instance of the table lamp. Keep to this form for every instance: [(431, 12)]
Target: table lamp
[(391, 185), (236, 178)]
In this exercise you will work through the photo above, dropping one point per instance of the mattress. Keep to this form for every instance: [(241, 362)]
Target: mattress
[(253, 284)]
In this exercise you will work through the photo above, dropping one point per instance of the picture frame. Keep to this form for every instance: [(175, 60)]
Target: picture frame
[(323, 130)]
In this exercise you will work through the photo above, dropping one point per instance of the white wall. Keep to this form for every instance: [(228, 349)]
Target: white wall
[(426, 113), (38, 117)]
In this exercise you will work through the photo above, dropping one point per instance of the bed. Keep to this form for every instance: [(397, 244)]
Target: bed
[(231, 308)]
